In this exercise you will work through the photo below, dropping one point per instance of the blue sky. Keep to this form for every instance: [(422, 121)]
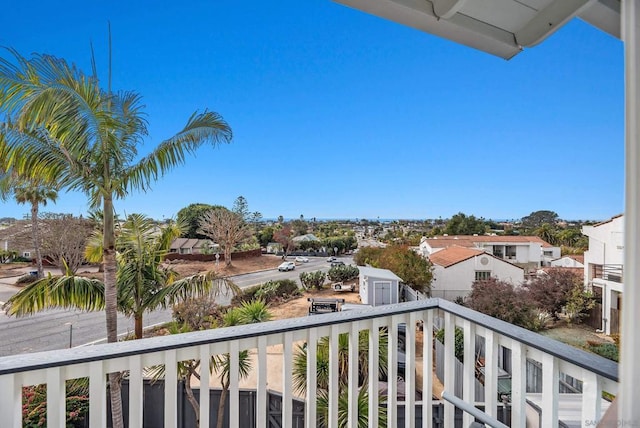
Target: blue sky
[(340, 114)]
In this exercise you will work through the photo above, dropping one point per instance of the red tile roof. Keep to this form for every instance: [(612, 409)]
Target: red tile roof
[(452, 255)]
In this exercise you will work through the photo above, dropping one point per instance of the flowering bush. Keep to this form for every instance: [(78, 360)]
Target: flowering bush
[(34, 404)]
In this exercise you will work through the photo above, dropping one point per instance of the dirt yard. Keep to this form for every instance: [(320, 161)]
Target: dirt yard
[(254, 264)]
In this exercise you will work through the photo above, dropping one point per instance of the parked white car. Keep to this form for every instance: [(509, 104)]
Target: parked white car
[(301, 259), (286, 266)]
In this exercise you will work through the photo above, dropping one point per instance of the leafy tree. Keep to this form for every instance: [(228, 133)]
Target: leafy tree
[(502, 300), (538, 218), (300, 227), (414, 270), (579, 302), (550, 291), (342, 243), (547, 233), (368, 256), (191, 215), (265, 236), (64, 240), (461, 224), (569, 237), (226, 228), (92, 140)]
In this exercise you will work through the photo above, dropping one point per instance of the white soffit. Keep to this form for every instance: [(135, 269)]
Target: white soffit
[(499, 27)]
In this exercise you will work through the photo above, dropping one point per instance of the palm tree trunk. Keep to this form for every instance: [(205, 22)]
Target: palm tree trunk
[(111, 305), (138, 325), (36, 238), (192, 399), (223, 398)]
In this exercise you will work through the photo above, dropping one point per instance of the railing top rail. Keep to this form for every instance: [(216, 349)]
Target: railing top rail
[(592, 362), (62, 357), (40, 360)]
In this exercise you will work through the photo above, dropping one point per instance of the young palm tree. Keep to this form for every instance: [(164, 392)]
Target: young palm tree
[(94, 136), (249, 313), (322, 376), (143, 284)]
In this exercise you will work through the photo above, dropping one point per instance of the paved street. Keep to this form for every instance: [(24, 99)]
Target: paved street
[(57, 329)]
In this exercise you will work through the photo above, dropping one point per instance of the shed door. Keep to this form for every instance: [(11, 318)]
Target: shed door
[(381, 293)]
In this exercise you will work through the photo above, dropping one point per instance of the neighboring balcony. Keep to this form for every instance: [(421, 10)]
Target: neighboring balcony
[(591, 375), (608, 272)]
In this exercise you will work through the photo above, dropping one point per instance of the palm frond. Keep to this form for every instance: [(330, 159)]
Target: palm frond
[(67, 292), (201, 128)]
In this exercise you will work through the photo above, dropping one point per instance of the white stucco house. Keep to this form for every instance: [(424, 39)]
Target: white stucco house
[(378, 286), (526, 251), (455, 269), (569, 261), (604, 268)]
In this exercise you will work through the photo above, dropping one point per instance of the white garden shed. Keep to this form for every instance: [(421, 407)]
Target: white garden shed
[(378, 286)]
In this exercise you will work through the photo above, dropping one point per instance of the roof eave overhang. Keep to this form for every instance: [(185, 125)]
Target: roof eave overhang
[(446, 18)]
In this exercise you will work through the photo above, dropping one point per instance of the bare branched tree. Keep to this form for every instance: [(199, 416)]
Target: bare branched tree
[(225, 228), (64, 239)]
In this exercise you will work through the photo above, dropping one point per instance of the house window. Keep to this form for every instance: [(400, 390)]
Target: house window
[(498, 251), (510, 252), (481, 275), (26, 255), (548, 253)]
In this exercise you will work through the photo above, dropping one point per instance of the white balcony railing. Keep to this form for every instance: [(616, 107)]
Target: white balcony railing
[(55, 367)]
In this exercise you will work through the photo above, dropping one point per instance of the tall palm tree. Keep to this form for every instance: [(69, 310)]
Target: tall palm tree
[(94, 136), (35, 196)]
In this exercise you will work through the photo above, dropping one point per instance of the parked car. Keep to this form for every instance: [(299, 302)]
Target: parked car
[(286, 266), (302, 259), (331, 259), (337, 263)]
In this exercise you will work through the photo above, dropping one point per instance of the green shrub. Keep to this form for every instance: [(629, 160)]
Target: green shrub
[(198, 313), (459, 342), (313, 279), (268, 292), (343, 273), (26, 280), (606, 350), (246, 295)]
